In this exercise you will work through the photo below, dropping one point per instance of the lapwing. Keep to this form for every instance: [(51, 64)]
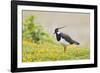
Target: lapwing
[(64, 39)]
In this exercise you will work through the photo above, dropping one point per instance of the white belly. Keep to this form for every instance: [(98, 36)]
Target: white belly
[(62, 41)]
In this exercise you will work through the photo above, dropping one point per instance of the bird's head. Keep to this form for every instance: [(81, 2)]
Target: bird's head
[(57, 29)]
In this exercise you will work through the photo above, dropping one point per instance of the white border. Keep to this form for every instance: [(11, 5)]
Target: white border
[(53, 63)]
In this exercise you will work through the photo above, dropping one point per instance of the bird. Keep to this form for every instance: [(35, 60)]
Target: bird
[(64, 39)]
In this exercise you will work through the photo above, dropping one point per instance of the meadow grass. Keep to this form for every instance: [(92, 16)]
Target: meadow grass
[(46, 51)]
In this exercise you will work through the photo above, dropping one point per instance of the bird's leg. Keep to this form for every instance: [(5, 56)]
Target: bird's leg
[(65, 49)]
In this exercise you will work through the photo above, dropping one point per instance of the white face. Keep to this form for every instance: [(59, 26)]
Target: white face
[(58, 32)]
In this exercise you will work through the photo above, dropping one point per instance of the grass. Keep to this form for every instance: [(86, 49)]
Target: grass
[(46, 51)]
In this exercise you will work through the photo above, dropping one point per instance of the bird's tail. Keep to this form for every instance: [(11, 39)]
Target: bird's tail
[(75, 42)]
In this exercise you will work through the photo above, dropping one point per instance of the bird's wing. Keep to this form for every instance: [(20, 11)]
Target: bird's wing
[(67, 38)]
